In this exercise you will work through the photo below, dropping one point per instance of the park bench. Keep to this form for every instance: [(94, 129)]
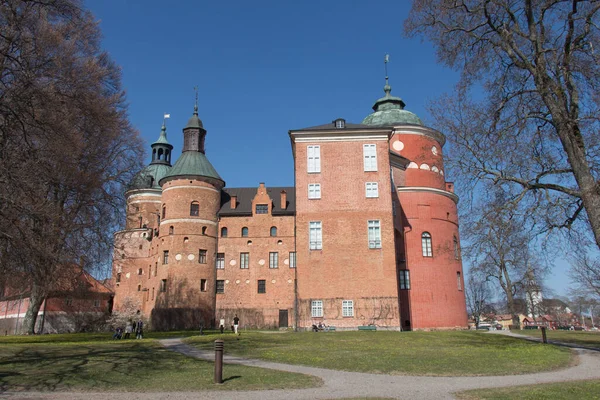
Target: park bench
[(367, 328), (330, 329)]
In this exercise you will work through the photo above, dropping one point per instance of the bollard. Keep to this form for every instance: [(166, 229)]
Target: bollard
[(218, 361), (544, 339)]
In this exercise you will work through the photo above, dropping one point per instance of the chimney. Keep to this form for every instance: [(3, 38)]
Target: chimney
[(233, 202), (283, 200)]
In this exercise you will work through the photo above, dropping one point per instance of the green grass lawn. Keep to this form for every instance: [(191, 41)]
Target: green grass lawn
[(82, 362), (590, 339), (412, 353), (555, 391)]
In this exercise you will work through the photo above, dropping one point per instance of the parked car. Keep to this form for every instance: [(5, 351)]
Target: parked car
[(484, 327)]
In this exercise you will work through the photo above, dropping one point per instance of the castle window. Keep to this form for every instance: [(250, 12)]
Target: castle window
[(244, 232), (370, 157), (223, 232), (220, 287), (262, 286), (456, 249), (262, 209), (458, 281), (140, 222), (163, 285), (273, 260), (426, 244), (372, 189), (374, 234), (314, 190), (152, 293), (171, 230), (204, 230), (313, 159), (202, 257), (315, 235), (220, 260), (156, 268), (316, 308), (203, 285), (164, 211), (273, 231), (194, 209), (347, 308), (166, 257), (140, 272), (404, 279), (292, 259), (118, 278), (139, 288), (244, 260), (69, 301)]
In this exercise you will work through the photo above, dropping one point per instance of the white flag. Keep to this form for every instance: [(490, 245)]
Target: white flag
[(167, 115)]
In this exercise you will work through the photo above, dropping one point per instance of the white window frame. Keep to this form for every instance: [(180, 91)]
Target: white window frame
[(313, 159), (244, 260), (404, 279), (372, 189), (220, 261), (347, 308), (315, 235), (426, 244), (314, 190), (374, 228), (316, 308), (370, 157), (273, 260)]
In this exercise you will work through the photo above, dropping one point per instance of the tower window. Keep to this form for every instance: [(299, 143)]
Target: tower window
[(164, 212), (404, 279), (202, 257), (262, 209), (456, 249), (458, 281), (262, 286), (220, 260), (273, 231), (426, 244), (223, 232), (140, 272), (140, 221), (166, 257), (220, 286), (118, 278), (171, 230), (203, 285), (244, 232), (139, 288), (194, 209), (163, 285)]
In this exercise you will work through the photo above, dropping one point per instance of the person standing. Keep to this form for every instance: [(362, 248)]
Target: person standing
[(139, 330), (236, 322), (128, 329), (222, 324)]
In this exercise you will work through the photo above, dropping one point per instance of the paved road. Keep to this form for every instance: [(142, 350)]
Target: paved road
[(339, 384)]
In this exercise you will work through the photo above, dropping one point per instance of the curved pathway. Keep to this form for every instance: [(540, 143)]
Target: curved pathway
[(340, 384)]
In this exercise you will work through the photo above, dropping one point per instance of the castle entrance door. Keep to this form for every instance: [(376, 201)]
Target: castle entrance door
[(283, 318)]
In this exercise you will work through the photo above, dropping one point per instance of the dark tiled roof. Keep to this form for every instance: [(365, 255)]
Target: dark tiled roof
[(331, 126), (246, 195)]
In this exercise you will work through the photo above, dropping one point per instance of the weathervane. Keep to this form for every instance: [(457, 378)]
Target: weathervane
[(196, 104)]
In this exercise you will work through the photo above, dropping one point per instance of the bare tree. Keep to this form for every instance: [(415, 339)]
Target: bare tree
[(478, 295), (66, 146), (533, 127), (585, 274)]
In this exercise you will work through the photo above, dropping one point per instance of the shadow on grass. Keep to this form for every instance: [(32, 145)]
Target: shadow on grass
[(231, 378)]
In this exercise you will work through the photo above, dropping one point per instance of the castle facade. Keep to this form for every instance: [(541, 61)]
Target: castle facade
[(367, 236)]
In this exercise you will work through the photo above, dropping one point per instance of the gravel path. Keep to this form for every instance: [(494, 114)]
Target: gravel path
[(340, 384)]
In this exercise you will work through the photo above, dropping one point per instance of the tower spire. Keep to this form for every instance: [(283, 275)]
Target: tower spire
[(387, 88), (196, 103)]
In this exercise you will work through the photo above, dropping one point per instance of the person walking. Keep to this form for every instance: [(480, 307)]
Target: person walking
[(236, 322), (139, 330)]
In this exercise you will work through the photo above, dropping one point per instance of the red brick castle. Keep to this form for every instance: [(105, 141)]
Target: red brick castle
[(368, 235)]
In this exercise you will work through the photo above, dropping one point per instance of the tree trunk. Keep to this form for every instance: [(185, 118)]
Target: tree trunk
[(35, 302)]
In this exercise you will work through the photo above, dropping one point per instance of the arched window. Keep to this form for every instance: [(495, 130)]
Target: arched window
[(160, 154), (273, 231), (153, 154), (194, 209), (140, 272), (426, 244), (164, 211), (223, 232), (204, 230), (244, 232), (171, 230), (456, 249)]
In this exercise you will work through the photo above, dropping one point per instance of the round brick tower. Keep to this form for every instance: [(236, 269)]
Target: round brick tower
[(430, 276), (131, 270), (187, 238)]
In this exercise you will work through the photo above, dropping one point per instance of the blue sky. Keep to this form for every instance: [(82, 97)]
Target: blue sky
[(263, 68)]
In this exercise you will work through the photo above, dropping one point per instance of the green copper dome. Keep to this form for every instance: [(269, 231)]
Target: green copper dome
[(149, 177), (389, 110), (193, 163)]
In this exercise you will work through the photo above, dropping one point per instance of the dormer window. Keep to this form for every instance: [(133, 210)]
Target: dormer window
[(340, 123)]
